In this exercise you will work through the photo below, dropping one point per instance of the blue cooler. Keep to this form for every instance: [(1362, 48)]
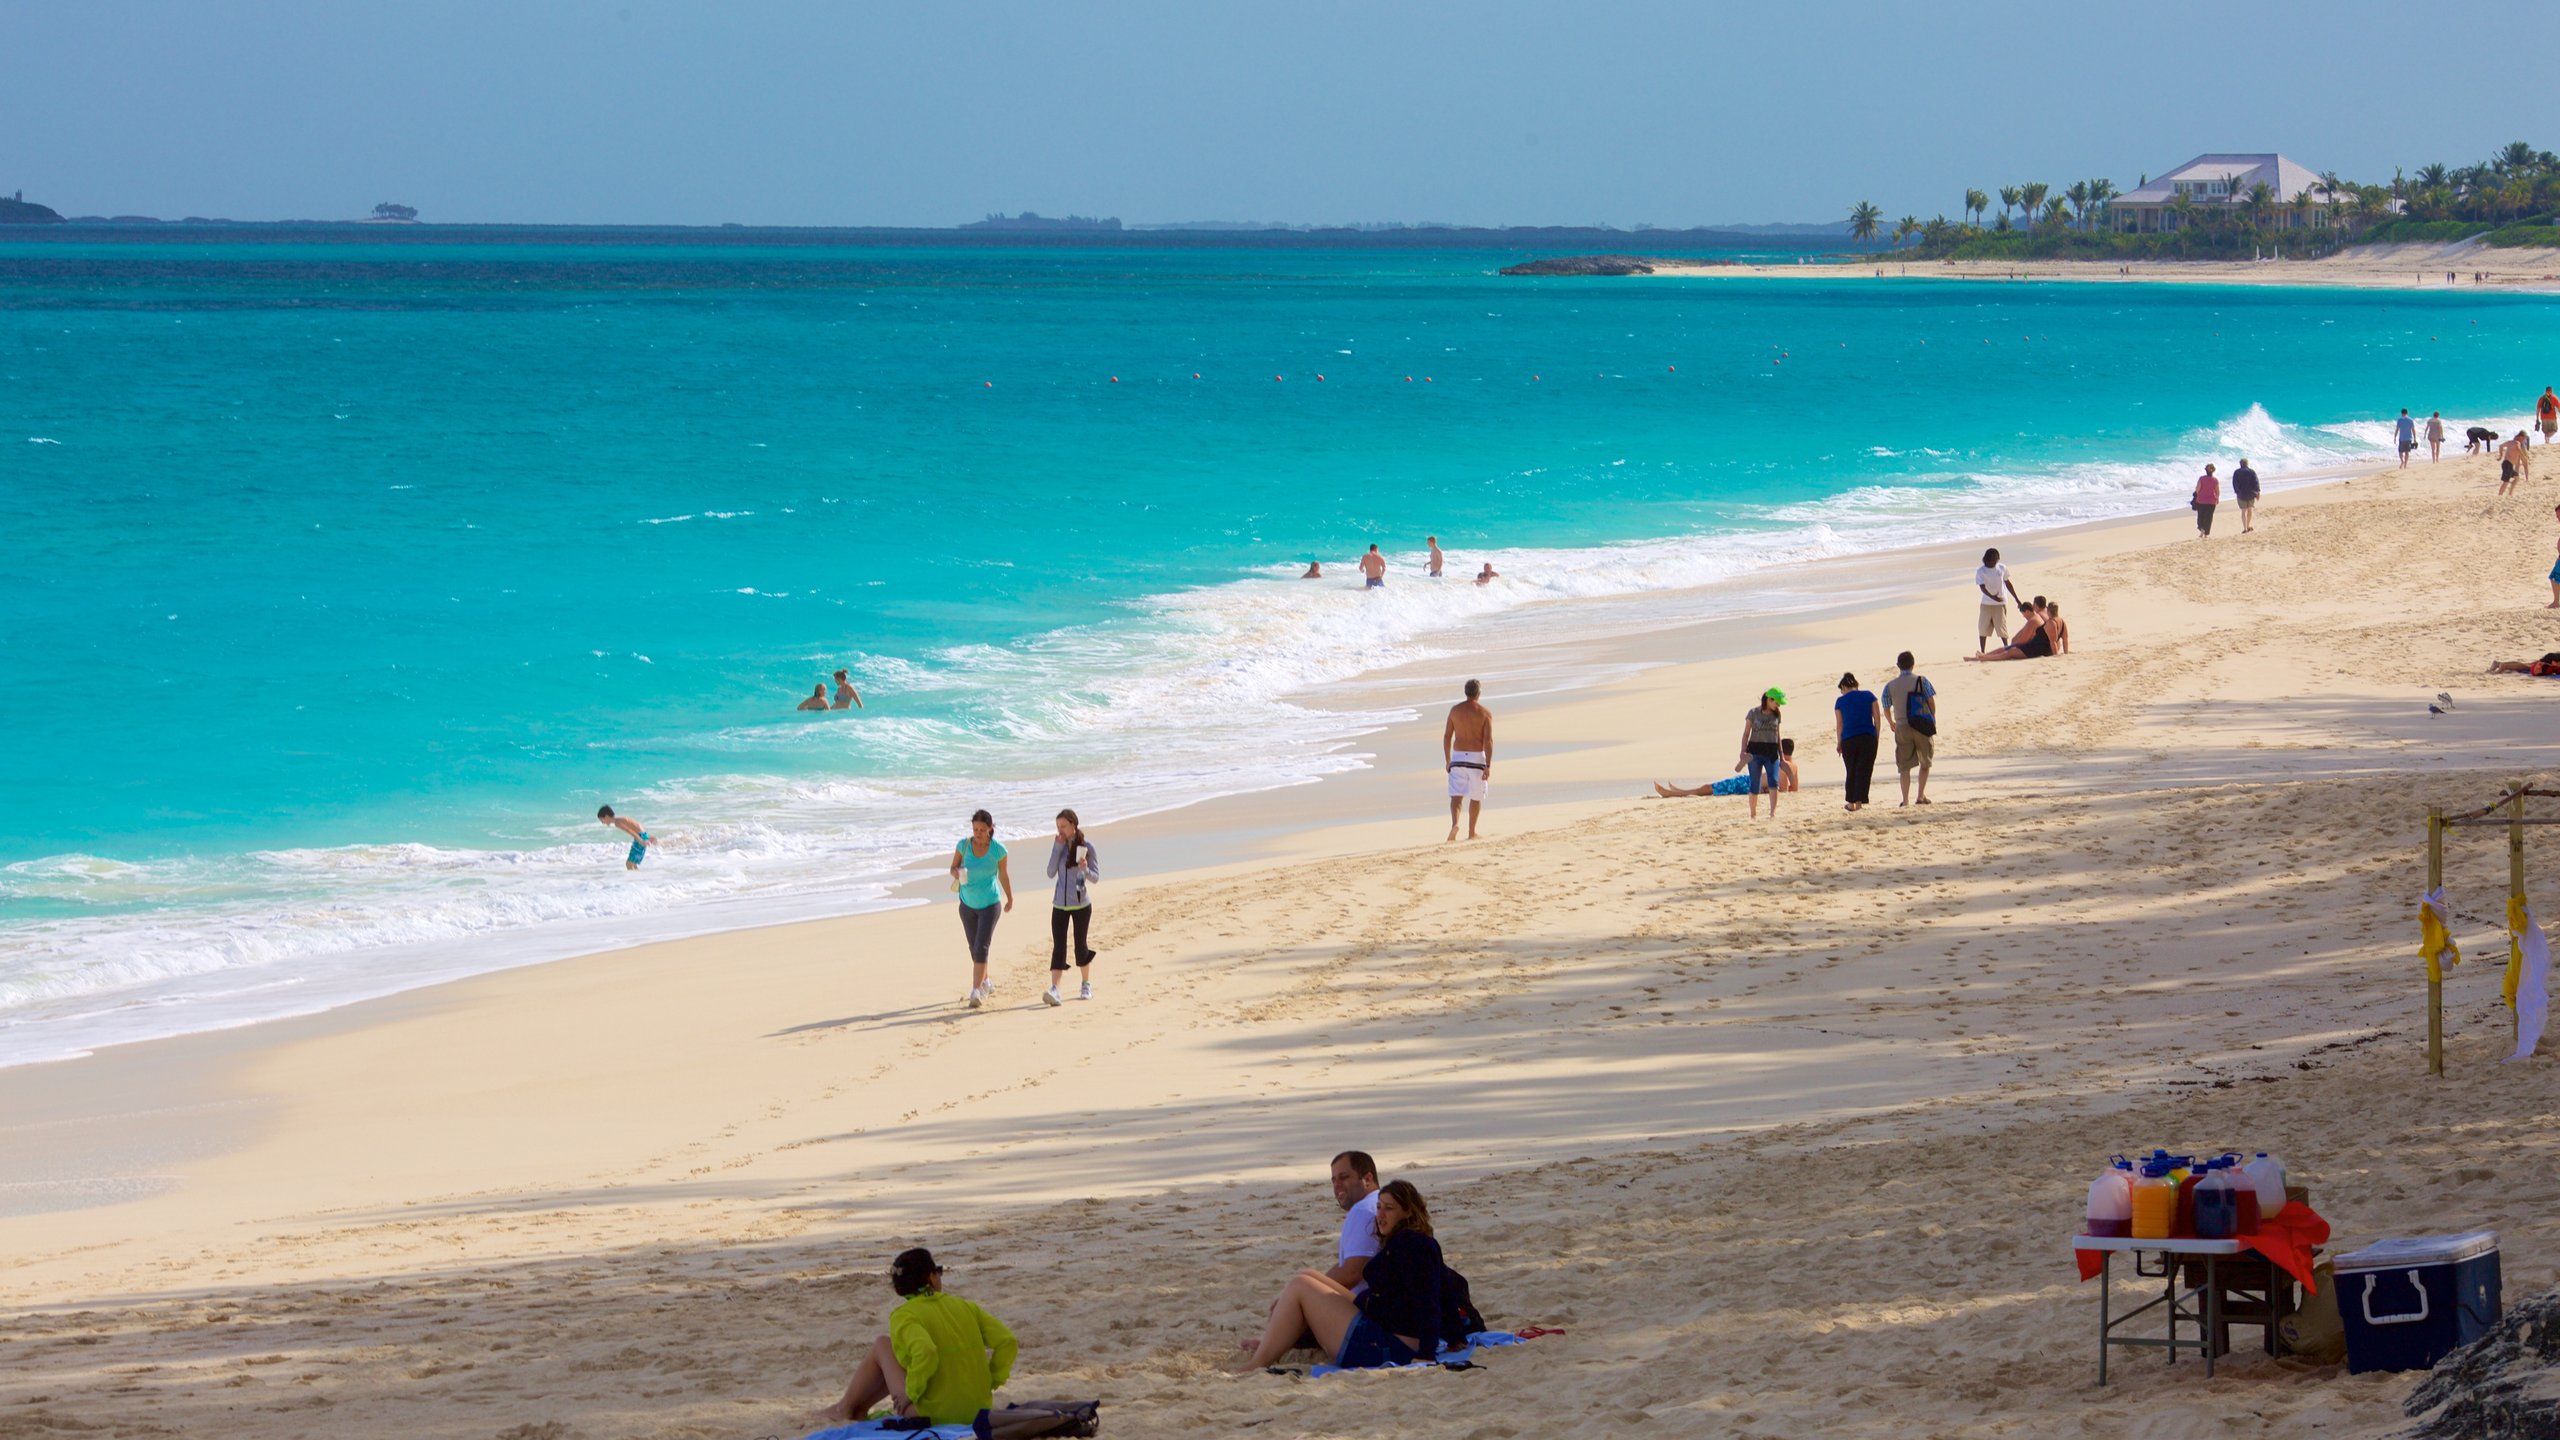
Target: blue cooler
[(2409, 1303)]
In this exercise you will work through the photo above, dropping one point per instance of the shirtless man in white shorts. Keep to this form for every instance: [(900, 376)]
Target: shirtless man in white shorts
[(1466, 752)]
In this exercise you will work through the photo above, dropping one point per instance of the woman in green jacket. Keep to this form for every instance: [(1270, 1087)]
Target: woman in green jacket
[(944, 1358)]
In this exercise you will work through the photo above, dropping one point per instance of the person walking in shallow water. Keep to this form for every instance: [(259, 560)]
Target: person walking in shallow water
[(1466, 752), (978, 872), (640, 841)]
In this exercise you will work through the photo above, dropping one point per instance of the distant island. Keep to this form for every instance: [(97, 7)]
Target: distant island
[(1594, 265), (1045, 224), (19, 210)]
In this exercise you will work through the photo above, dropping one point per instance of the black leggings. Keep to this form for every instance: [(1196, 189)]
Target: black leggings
[(1082, 918), (1858, 753), (980, 926), (2204, 519)]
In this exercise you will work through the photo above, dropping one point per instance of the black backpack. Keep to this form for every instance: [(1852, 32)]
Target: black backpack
[(1459, 1317)]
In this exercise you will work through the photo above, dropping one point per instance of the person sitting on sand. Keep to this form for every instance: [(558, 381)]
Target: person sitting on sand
[(1395, 1321), (1488, 574), (2545, 667), (817, 698), (2033, 641), (846, 695), (944, 1358), (2054, 627), (1739, 784), (1315, 570)]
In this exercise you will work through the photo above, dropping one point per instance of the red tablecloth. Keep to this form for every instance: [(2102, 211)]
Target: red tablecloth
[(2287, 1239)]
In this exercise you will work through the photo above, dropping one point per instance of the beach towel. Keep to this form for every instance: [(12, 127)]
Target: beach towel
[(1450, 1355), (2287, 1239), (875, 1430), (2530, 990)]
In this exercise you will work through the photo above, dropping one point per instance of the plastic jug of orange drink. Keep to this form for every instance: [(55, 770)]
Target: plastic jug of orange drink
[(2155, 1202)]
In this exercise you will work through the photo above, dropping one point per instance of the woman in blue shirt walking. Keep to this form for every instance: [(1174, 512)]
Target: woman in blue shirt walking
[(978, 872), (1857, 718)]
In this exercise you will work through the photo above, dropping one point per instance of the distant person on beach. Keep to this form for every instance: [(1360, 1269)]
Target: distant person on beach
[(1315, 570), (2435, 436), (846, 695), (2546, 413), (2512, 460), (2544, 668), (943, 1359), (1073, 867), (640, 841), (1395, 1321), (1993, 591), (1911, 708), (2555, 568), (1466, 752), (1374, 566), (1857, 720), (2034, 642), (817, 698), (1437, 559), (2208, 494), (1788, 782), (978, 872), (1760, 753), (1488, 574), (2405, 431), (2244, 489)]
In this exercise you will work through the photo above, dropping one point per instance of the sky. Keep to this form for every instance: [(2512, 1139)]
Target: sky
[(1527, 112)]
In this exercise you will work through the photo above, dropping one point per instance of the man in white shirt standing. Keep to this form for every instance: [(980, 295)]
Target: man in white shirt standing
[(1994, 591)]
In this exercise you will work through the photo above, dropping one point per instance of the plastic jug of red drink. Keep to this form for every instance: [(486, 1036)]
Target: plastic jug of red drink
[(2245, 1191), (2111, 1200), (2155, 1202), (2216, 1198), (2183, 1220)]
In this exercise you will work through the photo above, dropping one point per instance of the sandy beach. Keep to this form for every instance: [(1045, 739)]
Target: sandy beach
[(2417, 266), (1785, 1123)]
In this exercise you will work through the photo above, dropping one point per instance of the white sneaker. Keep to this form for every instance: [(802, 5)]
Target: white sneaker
[(977, 998), (1049, 996), (1086, 993)]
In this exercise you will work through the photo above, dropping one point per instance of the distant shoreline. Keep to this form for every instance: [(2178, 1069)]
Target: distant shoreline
[(2421, 266)]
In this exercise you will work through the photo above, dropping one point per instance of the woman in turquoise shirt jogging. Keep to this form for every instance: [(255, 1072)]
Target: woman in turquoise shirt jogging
[(978, 871)]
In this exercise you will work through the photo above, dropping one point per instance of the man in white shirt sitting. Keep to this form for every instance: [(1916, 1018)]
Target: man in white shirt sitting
[(1355, 1189)]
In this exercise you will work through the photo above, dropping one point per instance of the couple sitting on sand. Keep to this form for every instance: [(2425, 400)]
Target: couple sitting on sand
[(1388, 1300), (2043, 635)]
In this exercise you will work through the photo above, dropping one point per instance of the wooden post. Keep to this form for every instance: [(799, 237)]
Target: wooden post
[(2435, 971), (2515, 887)]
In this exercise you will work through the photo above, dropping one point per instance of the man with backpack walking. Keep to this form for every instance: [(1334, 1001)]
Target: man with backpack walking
[(1911, 709)]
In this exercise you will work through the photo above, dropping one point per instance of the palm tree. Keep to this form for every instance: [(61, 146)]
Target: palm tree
[(2008, 200), (2031, 196), (2302, 210), (2057, 211), (2331, 186), (2101, 191), (1975, 202), (2079, 193), (2518, 158), (1905, 228), (2261, 199), (1862, 220)]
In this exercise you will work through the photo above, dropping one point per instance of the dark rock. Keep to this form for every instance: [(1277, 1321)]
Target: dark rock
[(1584, 265), (26, 212), (2500, 1386)]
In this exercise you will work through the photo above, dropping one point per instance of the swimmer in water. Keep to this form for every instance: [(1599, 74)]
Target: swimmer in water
[(846, 695), (1374, 566), (640, 841), (1436, 557), (1487, 575), (817, 698), (1315, 570)]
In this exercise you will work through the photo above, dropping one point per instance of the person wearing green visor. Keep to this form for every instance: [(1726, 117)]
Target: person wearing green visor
[(1760, 748)]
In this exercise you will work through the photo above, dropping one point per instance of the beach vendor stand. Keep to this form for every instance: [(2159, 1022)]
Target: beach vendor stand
[(2206, 1286)]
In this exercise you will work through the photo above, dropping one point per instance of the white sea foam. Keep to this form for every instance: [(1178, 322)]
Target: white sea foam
[(1193, 694)]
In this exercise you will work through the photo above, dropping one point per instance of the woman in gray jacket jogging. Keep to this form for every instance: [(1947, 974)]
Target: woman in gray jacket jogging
[(1072, 865)]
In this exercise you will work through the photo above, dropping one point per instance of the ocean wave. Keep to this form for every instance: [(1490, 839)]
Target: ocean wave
[(1178, 698)]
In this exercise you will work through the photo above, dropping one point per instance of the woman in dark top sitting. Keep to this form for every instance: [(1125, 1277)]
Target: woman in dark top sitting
[(1394, 1322), (2035, 642)]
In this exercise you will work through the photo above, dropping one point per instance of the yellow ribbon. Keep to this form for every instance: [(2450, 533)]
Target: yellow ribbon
[(2435, 942), (2515, 947)]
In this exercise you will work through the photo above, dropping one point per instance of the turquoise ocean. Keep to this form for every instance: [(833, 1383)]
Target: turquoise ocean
[(346, 573)]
